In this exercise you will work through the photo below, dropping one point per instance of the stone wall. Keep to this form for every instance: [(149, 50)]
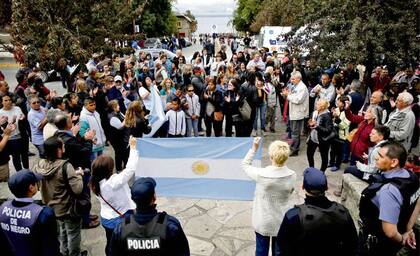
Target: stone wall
[(350, 198)]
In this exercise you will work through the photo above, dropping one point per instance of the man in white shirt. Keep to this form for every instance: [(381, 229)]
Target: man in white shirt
[(192, 111)]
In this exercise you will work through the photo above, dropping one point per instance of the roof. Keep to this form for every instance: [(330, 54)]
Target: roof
[(181, 15)]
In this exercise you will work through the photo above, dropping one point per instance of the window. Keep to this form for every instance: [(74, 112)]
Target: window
[(179, 24)]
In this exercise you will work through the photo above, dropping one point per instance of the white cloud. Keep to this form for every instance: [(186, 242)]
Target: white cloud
[(205, 7)]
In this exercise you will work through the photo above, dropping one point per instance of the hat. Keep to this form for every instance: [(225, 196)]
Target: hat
[(20, 181), (143, 190), (117, 78), (314, 179)]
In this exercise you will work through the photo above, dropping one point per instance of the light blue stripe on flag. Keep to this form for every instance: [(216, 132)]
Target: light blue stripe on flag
[(241, 190), (198, 167), (193, 147)]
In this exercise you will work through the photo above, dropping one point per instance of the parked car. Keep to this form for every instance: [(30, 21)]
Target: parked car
[(155, 53), (152, 43)]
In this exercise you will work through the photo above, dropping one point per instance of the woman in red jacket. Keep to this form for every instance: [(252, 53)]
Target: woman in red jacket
[(361, 142)]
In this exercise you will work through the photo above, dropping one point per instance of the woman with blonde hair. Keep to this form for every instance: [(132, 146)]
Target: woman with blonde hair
[(322, 133), (230, 71), (82, 91), (274, 188), (135, 120)]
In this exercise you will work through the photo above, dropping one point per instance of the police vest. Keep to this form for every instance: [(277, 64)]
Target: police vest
[(369, 212), (148, 240), (320, 227), (17, 224)]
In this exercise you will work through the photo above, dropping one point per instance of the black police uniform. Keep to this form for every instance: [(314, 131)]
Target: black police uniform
[(373, 240), (149, 233), (27, 229), (318, 227)]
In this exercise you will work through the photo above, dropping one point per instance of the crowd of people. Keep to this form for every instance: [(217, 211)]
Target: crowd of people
[(370, 121)]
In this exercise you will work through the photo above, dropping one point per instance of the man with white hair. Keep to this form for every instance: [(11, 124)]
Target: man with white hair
[(298, 97), (402, 120)]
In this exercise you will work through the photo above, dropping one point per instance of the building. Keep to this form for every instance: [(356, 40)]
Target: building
[(184, 25)]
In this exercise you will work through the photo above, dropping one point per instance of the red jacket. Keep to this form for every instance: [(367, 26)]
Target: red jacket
[(361, 141)]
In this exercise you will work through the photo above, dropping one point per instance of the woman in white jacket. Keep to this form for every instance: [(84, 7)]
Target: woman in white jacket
[(274, 187), (112, 190)]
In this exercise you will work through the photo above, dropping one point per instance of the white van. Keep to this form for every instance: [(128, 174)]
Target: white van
[(273, 37)]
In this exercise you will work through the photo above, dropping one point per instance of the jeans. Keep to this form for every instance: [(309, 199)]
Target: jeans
[(271, 117), (94, 155), (323, 150), (192, 124), (69, 236), (41, 150), (354, 171), (19, 153), (296, 128), (108, 233), (260, 114), (336, 153), (263, 245)]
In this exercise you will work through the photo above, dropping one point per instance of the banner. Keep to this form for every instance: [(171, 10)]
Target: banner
[(157, 115), (198, 167)]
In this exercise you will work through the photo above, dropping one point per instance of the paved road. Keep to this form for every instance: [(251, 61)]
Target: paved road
[(213, 227)]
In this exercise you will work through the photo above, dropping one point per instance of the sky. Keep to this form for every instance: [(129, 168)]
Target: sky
[(198, 7)]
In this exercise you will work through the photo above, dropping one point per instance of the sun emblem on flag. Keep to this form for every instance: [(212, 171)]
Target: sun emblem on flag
[(200, 167)]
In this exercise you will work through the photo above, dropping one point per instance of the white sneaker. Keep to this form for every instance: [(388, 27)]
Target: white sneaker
[(254, 133), (263, 133)]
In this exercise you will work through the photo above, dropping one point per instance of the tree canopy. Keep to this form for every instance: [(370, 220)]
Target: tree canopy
[(364, 31), (47, 31)]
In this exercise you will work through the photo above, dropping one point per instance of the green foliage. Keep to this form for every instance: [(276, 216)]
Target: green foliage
[(364, 31), (157, 19), (245, 14), (45, 31), (5, 12)]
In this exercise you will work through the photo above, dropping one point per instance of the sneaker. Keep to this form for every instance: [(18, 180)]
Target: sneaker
[(93, 217), (202, 133), (294, 153), (254, 133), (263, 133), (334, 168), (92, 224)]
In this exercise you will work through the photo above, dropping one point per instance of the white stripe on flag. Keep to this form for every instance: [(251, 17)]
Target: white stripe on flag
[(191, 168)]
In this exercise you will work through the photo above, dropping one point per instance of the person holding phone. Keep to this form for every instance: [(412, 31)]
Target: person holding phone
[(11, 115)]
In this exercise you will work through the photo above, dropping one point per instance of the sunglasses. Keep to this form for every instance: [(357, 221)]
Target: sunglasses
[(36, 102), (190, 90)]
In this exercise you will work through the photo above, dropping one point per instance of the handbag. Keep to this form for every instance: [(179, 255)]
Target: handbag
[(209, 108), (218, 116), (245, 111), (351, 134), (79, 204)]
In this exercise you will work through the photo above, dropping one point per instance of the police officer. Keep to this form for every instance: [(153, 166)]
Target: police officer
[(148, 232), (26, 227), (319, 226), (387, 203)]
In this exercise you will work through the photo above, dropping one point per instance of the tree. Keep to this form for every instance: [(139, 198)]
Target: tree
[(245, 14), (277, 13), (365, 31), (5, 12), (45, 31)]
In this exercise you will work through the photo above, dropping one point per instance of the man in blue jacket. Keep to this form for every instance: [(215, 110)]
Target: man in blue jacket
[(26, 227), (148, 232)]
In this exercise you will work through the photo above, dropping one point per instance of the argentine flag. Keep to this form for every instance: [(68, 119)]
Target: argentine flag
[(198, 167), (157, 115)]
